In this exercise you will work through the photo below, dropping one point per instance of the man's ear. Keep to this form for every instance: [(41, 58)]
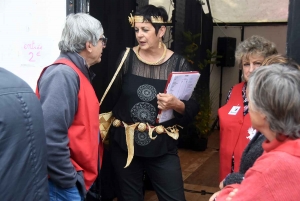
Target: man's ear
[(88, 46), (162, 31)]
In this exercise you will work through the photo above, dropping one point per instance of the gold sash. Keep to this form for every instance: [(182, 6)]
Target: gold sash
[(172, 131)]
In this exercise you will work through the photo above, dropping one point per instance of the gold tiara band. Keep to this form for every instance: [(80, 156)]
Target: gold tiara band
[(138, 18)]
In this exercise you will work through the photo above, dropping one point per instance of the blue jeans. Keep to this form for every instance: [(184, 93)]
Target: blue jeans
[(63, 194)]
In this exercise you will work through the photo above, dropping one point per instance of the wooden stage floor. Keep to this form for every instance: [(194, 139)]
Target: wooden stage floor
[(200, 171)]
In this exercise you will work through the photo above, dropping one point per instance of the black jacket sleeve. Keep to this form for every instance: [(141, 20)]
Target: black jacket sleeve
[(250, 154)]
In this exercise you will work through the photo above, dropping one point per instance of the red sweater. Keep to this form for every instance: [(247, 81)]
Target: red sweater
[(274, 176)]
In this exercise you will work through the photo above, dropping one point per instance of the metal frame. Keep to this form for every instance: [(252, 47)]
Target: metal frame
[(78, 6), (250, 24)]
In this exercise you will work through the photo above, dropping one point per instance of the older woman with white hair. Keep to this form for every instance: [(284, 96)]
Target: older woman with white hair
[(274, 107), (70, 107)]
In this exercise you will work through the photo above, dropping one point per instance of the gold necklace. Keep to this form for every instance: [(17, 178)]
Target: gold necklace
[(152, 63)]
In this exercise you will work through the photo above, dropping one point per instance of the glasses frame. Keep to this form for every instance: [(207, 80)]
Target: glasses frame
[(103, 40)]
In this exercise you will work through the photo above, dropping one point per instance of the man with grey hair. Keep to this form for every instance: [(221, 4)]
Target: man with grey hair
[(71, 109)]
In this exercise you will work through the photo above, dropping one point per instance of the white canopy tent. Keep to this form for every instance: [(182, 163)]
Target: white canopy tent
[(241, 19), (248, 11)]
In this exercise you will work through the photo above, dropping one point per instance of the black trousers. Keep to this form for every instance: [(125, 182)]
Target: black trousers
[(163, 171)]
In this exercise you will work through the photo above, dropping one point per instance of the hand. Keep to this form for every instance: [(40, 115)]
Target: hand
[(221, 185), (231, 194), (212, 198), (167, 101)]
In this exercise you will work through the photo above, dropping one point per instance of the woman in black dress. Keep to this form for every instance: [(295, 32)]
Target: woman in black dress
[(137, 142)]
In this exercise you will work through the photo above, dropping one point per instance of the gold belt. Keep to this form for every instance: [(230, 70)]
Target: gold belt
[(172, 131)]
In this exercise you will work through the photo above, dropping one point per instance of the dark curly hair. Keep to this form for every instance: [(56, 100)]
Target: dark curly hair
[(150, 10)]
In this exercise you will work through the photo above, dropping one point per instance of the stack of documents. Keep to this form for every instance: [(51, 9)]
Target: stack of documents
[(181, 85)]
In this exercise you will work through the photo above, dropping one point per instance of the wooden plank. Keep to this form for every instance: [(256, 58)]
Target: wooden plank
[(207, 174)]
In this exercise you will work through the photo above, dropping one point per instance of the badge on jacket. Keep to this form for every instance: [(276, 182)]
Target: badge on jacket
[(234, 110)]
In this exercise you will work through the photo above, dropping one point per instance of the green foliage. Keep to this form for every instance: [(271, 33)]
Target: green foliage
[(211, 59), (203, 119), (191, 46)]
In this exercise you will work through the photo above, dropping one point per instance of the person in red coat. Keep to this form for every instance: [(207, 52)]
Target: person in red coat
[(235, 126), (274, 108)]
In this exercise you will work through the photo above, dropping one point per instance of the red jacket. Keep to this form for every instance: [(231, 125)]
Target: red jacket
[(274, 176), (234, 130), (83, 134)]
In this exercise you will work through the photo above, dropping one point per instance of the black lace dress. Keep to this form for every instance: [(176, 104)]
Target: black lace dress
[(138, 84)]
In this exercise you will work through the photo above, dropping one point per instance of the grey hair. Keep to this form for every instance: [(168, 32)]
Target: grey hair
[(255, 45), (79, 29), (275, 91)]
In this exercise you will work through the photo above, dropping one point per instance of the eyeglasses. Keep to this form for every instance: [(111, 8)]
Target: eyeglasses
[(104, 40)]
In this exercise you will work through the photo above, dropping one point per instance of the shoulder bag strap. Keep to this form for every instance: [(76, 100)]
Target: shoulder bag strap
[(115, 75)]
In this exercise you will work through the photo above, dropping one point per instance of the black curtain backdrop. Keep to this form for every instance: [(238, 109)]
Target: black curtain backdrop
[(198, 22), (113, 14), (293, 34)]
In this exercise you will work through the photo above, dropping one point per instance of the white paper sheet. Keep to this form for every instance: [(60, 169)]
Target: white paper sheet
[(181, 85)]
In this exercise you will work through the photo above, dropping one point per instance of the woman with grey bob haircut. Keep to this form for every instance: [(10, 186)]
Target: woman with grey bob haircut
[(274, 107), (275, 92), (79, 29)]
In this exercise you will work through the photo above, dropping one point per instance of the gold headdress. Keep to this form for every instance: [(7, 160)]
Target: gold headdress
[(138, 18)]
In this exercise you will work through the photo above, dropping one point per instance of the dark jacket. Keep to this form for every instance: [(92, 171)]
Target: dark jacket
[(250, 154), (23, 157)]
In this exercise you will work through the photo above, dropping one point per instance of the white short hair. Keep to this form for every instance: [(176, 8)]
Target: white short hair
[(79, 29)]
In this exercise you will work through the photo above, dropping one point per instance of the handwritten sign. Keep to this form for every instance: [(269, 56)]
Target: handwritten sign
[(29, 43), (32, 51)]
